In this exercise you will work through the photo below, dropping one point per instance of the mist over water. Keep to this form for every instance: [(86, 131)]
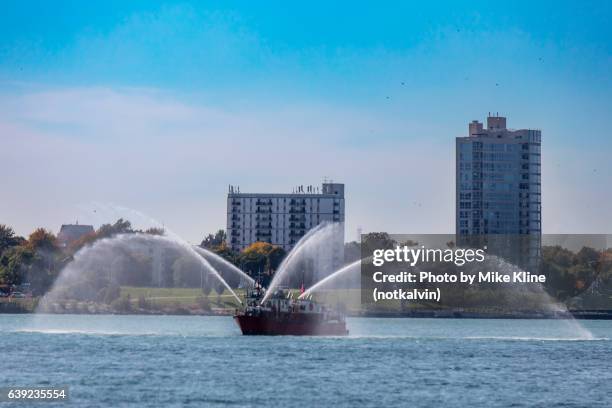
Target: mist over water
[(108, 261), (376, 328), (509, 296), (310, 260), (112, 211), (209, 256), (514, 292)]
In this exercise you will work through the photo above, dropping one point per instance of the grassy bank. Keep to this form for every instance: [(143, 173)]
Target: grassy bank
[(182, 296), (135, 300)]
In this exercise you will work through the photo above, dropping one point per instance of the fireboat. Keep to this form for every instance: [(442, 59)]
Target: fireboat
[(281, 314)]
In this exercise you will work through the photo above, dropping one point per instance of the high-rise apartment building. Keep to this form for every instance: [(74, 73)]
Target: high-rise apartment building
[(281, 219), (498, 180)]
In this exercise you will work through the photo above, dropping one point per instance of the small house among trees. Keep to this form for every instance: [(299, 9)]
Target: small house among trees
[(70, 233)]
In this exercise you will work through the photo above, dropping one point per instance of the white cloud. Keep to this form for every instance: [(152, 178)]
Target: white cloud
[(150, 150)]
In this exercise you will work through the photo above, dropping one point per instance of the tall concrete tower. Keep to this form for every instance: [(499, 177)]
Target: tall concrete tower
[(498, 180)]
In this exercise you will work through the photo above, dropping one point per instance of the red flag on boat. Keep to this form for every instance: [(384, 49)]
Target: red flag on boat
[(302, 288)]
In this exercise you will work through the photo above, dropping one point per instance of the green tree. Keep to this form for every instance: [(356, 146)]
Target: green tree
[(588, 257), (42, 269), (8, 238), (225, 252), (14, 265), (253, 258), (120, 226), (211, 241), (567, 273), (41, 272), (352, 251), (260, 260), (42, 240), (155, 231), (377, 240), (274, 257)]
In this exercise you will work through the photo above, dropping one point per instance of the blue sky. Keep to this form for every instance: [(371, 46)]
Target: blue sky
[(159, 105)]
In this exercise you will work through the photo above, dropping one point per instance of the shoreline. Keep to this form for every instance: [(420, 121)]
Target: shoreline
[(428, 314), (437, 314)]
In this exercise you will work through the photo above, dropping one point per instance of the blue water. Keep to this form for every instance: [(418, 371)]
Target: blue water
[(204, 361)]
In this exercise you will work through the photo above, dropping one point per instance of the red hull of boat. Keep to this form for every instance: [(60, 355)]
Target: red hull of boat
[(272, 326)]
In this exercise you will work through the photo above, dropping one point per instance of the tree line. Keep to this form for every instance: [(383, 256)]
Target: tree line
[(37, 260)]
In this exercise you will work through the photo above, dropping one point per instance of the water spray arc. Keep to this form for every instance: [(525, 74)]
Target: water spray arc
[(97, 254), (121, 211), (331, 278), (319, 236), (206, 253)]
